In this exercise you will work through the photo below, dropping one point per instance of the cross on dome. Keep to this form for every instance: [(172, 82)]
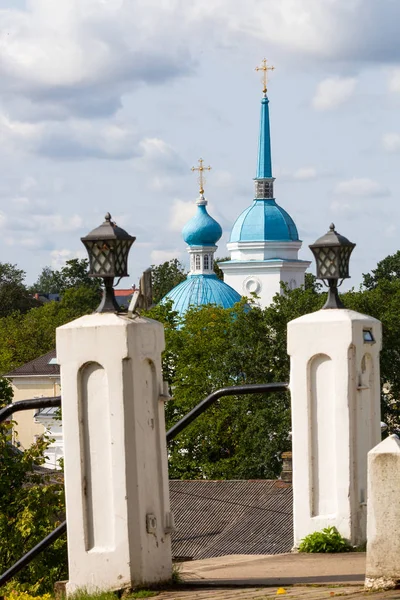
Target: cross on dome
[(265, 68), (201, 168)]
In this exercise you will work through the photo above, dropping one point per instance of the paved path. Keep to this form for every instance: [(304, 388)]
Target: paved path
[(294, 593), (281, 576), (277, 570)]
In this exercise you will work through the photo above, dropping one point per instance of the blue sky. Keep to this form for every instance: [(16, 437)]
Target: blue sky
[(105, 105)]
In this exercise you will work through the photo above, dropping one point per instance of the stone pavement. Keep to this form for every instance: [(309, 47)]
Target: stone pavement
[(277, 570), (294, 593), (294, 576)]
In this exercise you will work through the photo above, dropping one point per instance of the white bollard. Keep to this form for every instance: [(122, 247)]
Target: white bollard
[(335, 397), (116, 478), (383, 525)]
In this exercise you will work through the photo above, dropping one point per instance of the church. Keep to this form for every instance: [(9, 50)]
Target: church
[(264, 242)]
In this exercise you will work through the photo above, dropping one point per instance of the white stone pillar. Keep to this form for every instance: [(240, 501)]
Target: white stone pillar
[(335, 397), (116, 477), (383, 532)]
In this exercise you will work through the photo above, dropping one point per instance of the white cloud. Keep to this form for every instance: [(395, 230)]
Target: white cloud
[(71, 140), (305, 173), (391, 142), (180, 213), (59, 257), (362, 187), (394, 81), (157, 156), (80, 57), (160, 256), (333, 91), (77, 57)]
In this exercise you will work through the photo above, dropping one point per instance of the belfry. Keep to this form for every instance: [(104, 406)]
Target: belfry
[(264, 242)]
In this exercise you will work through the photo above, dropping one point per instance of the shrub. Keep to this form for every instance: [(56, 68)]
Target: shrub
[(327, 540)]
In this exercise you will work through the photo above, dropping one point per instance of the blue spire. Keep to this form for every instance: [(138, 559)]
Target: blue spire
[(264, 168)]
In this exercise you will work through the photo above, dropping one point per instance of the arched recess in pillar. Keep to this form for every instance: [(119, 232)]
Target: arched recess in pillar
[(364, 422), (96, 456), (322, 435)]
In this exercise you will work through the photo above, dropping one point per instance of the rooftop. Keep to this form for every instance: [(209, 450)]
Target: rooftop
[(43, 365)]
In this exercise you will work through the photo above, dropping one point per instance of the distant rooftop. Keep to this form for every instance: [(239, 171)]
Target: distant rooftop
[(43, 365)]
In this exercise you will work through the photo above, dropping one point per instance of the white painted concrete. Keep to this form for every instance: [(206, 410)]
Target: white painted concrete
[(335, 395), (383, 547), (116, 477), (259, 267)]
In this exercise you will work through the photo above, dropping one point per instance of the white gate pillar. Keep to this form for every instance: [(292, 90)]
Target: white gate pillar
[(335, 396), (383, 547), (116, 478)]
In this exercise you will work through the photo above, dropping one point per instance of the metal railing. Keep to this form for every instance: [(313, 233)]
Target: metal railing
[(236, 390)]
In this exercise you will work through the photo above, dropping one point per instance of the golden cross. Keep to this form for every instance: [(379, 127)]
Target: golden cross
[(265, 68), (201, 169)]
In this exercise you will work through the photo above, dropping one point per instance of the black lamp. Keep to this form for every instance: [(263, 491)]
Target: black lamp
[(108, 248), (332, 254)]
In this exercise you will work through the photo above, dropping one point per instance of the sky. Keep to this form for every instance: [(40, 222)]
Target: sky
[(105, 105)]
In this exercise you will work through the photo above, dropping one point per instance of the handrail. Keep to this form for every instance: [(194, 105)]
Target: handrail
[(14, 407), (238, 390), (235, 390)]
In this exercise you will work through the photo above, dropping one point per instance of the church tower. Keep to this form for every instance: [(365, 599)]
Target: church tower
[(202, 286), (264, 242)]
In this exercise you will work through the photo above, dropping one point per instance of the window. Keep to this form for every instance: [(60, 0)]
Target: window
[(206, 261), (368, 336), (198, 263)]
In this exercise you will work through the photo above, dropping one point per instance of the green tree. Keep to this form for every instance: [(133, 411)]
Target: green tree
[(217, 269), (6, 392), (239, 437), (387, 269), (165, 277), (73, 274), (31, 506), (24, 337), (14, 296)]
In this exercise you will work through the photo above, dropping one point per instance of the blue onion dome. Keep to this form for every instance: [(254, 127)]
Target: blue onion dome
[(202, 230), (264, 221), (199, 290)]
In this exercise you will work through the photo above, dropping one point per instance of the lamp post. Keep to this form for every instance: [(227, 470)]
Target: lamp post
[(332, 255), (108, 247)]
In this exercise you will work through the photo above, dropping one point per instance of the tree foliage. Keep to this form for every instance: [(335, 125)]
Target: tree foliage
[(211, 347), (239, 437), (31, 506), (73, 274), (165, 277), (14, 296), (24, 337), (387, 269)]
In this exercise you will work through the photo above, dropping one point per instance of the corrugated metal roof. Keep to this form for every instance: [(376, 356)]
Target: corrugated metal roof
[(37, 366), (218, 518)]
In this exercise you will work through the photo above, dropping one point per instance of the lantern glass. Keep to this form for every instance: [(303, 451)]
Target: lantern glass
[(327, 262)]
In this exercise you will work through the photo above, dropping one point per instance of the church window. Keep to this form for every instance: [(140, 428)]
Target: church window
[(206, 261), (198, 263)]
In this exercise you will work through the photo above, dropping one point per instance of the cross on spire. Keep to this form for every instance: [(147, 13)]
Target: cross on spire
[(265, 68), (201, 168)]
